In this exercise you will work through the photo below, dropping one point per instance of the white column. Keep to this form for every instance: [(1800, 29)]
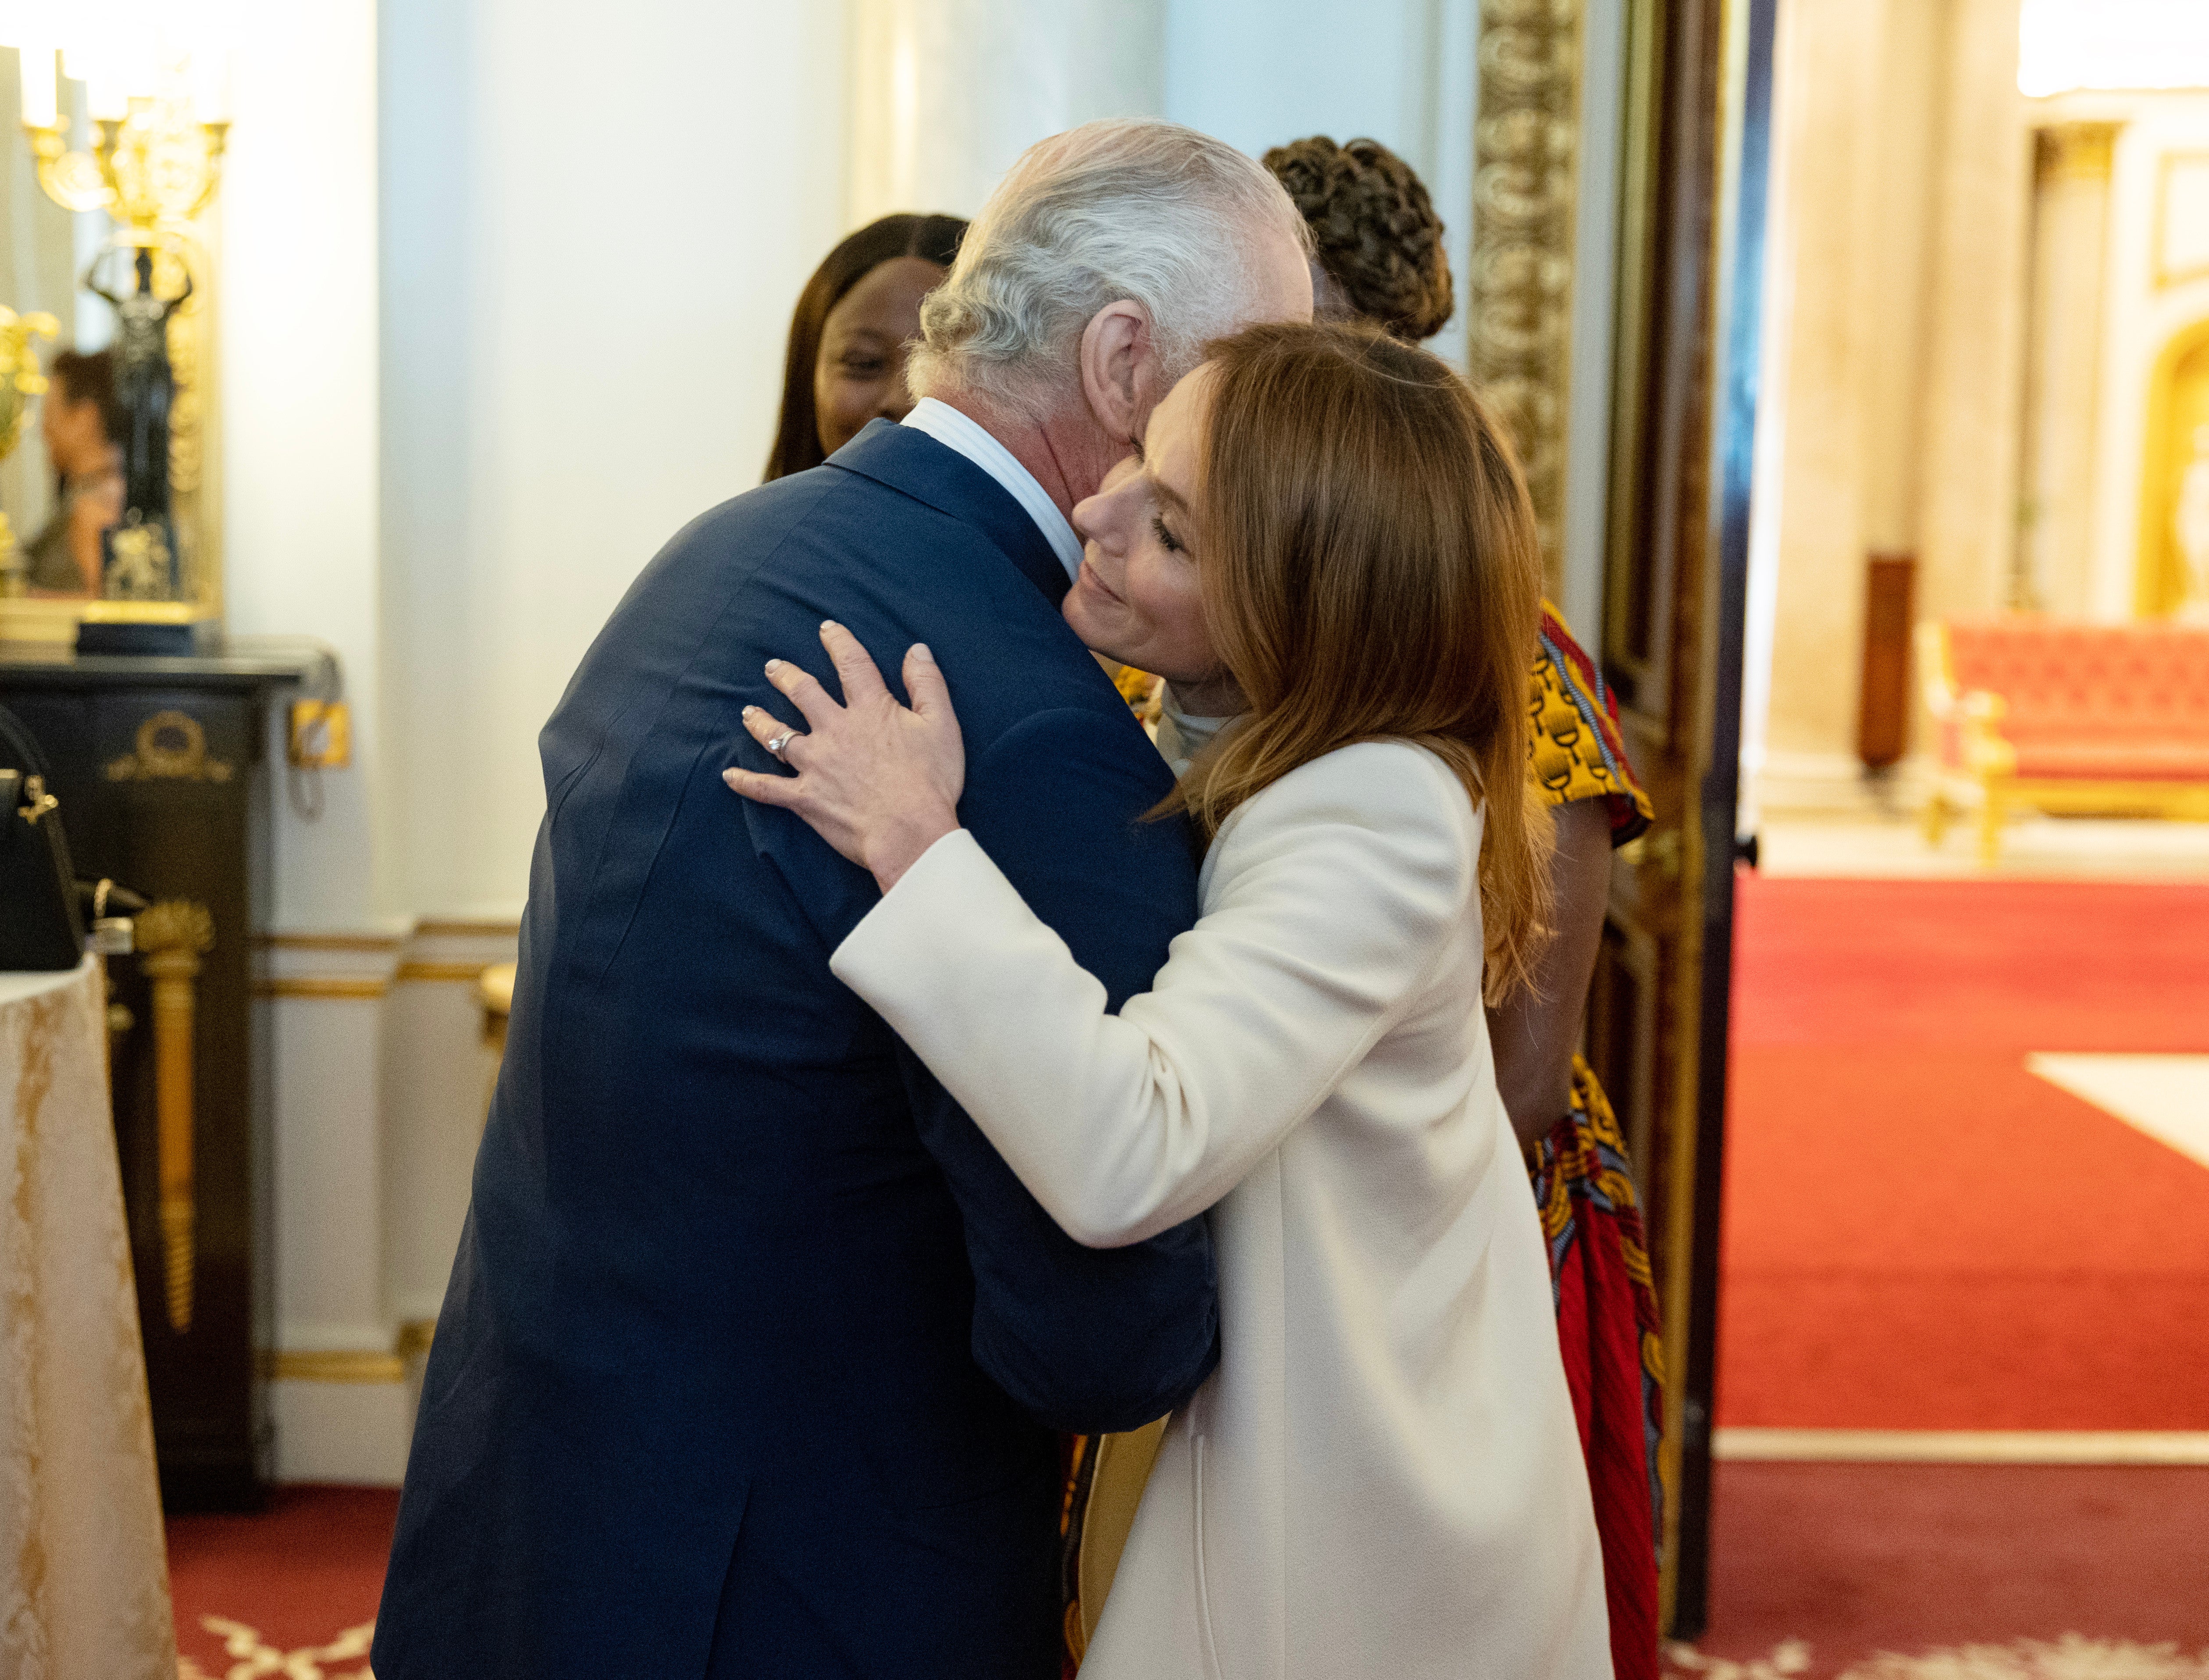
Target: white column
[(2063, 368), (946, 93), (1974, 334)]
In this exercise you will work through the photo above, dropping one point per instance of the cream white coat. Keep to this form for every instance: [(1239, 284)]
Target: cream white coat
[(1383, 1477)]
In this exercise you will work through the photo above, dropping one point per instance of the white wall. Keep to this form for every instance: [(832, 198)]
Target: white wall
[(596, 220), (1259, 73), (947, 94), (297, 327)]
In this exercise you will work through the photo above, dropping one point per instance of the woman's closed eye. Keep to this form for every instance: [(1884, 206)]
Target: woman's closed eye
[(1167, 539)]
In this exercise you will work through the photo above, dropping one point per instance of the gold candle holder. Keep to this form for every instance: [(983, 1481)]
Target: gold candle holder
[(153, 168)]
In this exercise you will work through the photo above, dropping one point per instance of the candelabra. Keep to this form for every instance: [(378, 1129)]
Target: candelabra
[(158, 130), (153, 168)]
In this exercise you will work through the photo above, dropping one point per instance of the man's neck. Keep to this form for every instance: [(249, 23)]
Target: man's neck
[(1066, 452)]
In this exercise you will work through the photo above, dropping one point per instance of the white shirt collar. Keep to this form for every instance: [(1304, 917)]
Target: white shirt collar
[(955, 430)]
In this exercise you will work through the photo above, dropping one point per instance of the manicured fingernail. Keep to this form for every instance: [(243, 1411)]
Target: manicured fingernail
[(748, 710), (827, 623), (773, 665), (920, 651)]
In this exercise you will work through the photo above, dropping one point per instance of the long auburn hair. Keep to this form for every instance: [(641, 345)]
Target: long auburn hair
[(1370, 570), (798, 433)]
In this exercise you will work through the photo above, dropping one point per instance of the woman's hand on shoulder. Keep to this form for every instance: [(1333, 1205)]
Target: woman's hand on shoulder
[(878, 780)]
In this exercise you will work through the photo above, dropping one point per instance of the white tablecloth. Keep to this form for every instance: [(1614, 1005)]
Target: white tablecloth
[(84, 1585)]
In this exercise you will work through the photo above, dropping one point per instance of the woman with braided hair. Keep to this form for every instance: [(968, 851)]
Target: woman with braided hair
[(1380, 258)]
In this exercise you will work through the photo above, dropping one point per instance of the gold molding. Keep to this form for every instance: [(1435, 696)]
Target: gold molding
[(172, 937), (2165, 276), (315, 986), (436, 928), (469, 971), (156, 758), (349, 1365), (332, 1365), (2074, 151), (1525, 189), (327, 942), (415, 1336)]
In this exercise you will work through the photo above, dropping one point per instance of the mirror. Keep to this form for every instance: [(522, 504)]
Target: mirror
[(111, 160)]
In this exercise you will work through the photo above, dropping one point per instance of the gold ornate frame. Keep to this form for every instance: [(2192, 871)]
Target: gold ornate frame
[(1525, 196)]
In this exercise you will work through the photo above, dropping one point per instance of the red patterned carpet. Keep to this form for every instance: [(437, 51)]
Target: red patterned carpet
[(1921, 1235), (294, 1588), (1816, 1569)]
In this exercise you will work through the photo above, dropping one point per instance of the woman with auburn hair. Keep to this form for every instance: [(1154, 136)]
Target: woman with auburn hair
[(1380, 259), (1324, 533)]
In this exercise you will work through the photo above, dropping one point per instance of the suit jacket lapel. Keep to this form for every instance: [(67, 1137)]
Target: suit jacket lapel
[(914, 464)]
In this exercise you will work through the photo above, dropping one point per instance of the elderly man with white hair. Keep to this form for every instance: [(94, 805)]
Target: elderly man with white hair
[(753, 1348)]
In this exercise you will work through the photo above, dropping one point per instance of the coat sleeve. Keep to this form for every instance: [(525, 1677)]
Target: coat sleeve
[(1335, 893), (1084, 1341)]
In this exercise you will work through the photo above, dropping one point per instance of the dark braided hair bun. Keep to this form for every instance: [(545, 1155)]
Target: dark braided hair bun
[(1378, 235)]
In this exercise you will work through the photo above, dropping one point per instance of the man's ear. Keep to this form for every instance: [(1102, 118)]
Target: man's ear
[(1120, 368)]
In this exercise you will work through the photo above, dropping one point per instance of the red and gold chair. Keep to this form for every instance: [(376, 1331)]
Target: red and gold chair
[(2067, 719)]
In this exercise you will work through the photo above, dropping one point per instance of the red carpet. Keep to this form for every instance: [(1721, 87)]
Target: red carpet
[(294, 1579), (1851, 1560), (1919, 1233)]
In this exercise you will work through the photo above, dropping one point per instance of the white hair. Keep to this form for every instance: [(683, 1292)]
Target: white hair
[(1134, 209)]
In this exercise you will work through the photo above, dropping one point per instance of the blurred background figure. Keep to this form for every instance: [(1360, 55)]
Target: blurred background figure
[(1380, 257), (849, 332), (81, 420)]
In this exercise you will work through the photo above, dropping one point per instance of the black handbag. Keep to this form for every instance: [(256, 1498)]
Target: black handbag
[(40, 925)]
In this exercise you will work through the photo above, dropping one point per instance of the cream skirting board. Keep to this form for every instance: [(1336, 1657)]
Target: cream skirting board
[(84, 1589)]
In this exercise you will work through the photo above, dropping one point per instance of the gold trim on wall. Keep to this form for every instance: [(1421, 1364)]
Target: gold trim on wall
[(2074, 151), (469, 971), (348, 1365), (433, 927), (310, 986), (2158, 574), (2166, 276), (332, 1365), (1525, 188), (327, 942)]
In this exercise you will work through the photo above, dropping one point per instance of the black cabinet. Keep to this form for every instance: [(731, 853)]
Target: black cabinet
[(161, 769)]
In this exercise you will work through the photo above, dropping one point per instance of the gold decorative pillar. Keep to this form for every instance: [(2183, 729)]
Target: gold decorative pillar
[(2051, 568), (172, 937), (1525, 183)]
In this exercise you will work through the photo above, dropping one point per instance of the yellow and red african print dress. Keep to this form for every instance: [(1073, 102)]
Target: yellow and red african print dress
[(1607, 1319)]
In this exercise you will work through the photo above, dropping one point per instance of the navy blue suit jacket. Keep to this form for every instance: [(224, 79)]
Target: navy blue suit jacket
[(753, 1347)]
